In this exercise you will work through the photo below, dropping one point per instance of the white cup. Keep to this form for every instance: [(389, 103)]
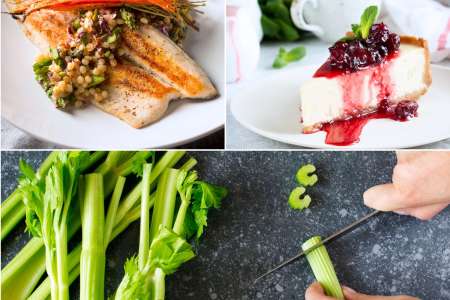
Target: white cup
[(329, 19)]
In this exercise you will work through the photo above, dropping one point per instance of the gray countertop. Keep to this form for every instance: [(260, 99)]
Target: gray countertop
[(255, 229)]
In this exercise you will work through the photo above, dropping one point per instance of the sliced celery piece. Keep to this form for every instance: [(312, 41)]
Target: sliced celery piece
[(305, 177), (296, 202)]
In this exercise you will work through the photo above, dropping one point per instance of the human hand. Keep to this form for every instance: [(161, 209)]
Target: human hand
[(420, 185), (315, 292)]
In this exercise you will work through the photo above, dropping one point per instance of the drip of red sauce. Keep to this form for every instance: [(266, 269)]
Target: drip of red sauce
[(347, 132), (354, 85)]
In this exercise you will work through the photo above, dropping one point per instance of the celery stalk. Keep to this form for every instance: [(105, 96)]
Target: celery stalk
[(47, 216), (43, 291), (163, 215), (189, 164), (17, 281), (113, 205), (92, 260), (13, 210), (322, 267), (13, 217), (144, 234), (163, 212), (167, 161)]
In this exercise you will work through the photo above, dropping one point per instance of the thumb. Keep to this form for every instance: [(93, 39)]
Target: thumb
[(315, 292), (351, 294), (384, 197)]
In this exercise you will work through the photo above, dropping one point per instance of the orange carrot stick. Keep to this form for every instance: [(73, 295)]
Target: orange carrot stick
[(168, 5)]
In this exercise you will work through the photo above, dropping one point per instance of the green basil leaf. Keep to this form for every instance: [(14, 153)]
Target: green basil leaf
[(296, 54)]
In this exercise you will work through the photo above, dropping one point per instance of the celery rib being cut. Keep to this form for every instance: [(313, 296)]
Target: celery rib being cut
[(322, 267)]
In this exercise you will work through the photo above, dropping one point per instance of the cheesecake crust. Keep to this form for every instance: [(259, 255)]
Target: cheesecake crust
[(427, 79)]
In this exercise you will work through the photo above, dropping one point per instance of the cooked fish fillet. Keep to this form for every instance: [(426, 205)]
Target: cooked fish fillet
[(152, 50), (47, 28), (137, 96)]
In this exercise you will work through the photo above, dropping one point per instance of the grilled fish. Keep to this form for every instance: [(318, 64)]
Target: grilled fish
[(153, 51), (139, 94)]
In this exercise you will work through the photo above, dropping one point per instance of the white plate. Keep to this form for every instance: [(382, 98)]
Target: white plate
[(270, 108), (26, 106)]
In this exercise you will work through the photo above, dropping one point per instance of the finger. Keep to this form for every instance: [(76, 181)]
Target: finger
[(351, 294), (406, 156), (425, 212), (386, 197), (315, 292)]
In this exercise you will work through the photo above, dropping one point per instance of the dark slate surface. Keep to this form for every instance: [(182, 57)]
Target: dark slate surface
[(255, 230)]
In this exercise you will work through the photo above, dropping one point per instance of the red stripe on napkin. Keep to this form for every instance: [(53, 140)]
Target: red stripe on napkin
[(442, 42)]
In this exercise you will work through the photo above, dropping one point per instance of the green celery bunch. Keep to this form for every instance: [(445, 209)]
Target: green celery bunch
[(21, 275), (121, 213), (48, 205)]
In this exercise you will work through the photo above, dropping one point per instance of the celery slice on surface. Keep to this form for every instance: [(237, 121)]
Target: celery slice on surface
[(296, 202), (305, 177), (322, 267)]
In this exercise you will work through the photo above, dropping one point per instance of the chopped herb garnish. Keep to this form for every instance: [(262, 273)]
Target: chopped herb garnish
[(96, 80), (128, 18), (114, 37)]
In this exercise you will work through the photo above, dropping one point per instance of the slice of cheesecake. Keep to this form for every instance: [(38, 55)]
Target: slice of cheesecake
[(345, 88)]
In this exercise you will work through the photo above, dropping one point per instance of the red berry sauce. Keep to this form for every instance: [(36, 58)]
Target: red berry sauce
[(347, 132)]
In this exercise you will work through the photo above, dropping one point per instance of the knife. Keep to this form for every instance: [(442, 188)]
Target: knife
[(332, 237)]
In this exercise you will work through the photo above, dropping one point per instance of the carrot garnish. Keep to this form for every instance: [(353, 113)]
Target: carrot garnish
[(167, 5)]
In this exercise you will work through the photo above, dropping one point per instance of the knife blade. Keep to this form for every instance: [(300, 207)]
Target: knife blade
[(332, 237)]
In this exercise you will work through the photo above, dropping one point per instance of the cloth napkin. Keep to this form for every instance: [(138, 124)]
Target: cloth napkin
[(425, 18), (244, 33)]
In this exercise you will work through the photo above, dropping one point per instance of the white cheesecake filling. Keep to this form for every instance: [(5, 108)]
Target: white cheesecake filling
[(407, 72), (324, 99), (321, 100)]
